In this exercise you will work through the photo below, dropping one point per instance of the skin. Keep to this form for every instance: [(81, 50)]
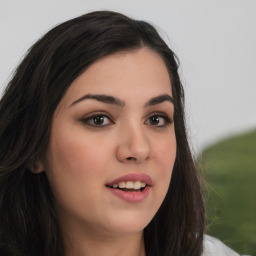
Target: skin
[(82, 157)]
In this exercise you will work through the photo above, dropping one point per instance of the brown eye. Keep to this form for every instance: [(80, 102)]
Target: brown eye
[(158, 120), (154, 120), (99, 120)]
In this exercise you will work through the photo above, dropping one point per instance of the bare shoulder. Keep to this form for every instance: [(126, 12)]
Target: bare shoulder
[(213, 247)]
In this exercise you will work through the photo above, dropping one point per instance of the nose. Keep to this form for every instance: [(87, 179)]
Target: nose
[(134, 145)]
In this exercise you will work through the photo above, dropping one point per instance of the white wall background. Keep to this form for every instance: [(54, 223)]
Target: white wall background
[(215, 41)]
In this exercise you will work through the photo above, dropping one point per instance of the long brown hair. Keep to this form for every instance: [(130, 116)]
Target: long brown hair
[(29, 225)]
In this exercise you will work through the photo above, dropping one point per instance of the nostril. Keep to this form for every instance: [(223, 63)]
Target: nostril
[(131, 158)]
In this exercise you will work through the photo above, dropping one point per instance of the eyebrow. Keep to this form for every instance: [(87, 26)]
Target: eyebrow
[(159, 99), (118, 102), (102, 98)]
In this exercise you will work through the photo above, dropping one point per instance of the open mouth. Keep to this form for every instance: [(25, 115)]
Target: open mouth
[(132, 188), (129, 186)]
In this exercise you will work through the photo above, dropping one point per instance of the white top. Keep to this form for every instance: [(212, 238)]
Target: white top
[(214, 247)]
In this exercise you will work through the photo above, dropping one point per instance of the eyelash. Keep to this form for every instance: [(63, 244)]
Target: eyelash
[(91, 118), (87, 120), (166, 119)]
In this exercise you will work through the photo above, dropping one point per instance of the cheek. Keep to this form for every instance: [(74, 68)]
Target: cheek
[(75, 169), (72, 164), (166, 154), (78, 154), (165, 157)]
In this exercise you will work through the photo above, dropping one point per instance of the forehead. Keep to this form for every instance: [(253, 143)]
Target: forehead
[(138, 73)]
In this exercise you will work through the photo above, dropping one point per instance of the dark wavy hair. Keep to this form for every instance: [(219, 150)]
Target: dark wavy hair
[(29, 225)]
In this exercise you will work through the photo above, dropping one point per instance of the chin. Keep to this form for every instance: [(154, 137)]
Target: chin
[(129, 223)]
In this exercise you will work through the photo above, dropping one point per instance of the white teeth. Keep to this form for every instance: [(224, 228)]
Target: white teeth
[(130, 184), (121, 184), (143, 184), (137, 185)]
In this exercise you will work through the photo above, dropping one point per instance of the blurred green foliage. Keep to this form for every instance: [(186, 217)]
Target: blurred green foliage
[(229, 169)]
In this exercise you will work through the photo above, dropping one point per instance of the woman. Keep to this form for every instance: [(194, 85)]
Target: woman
[(94, 154)]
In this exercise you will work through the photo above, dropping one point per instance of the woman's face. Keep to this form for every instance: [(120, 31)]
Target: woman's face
[(112, 145)]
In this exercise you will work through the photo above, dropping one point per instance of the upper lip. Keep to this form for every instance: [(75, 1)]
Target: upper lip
[(132, 177)]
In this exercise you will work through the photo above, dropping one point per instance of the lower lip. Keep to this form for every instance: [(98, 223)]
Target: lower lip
[(131, 196)]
